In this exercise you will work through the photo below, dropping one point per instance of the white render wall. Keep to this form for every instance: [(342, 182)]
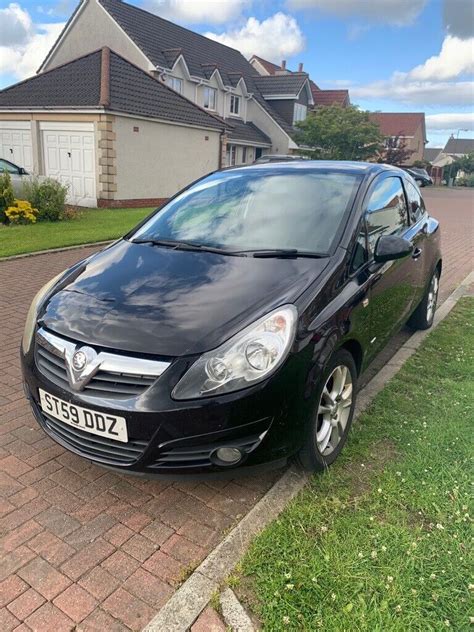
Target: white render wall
[(160, 159), (92, 29), (280, 141)]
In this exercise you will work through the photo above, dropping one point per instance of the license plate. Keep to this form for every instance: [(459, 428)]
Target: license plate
[(109, 426)]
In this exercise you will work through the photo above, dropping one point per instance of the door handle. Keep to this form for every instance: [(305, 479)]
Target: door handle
[(416, 253)]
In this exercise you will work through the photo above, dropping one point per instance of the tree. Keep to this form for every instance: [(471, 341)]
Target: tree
[(465, 163), (339, 133), (395, 151)]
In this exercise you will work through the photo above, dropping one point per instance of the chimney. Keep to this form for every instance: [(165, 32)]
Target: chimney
[(283, 64), (300, 67)]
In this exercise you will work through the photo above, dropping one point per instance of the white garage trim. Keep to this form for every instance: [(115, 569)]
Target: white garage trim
[(15, 124), (66, 126)]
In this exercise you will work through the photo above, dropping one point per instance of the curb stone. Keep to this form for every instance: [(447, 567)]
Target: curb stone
[(61, 249), (234, 613), (183, 608)]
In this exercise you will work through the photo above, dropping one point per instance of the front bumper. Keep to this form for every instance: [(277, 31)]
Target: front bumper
[(170, 438)]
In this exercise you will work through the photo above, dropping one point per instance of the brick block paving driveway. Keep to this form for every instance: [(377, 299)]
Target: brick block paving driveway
[(89, 549)]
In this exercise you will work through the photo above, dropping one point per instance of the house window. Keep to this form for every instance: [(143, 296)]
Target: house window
[(210, 98), (299, 113), (234, 104), (244, 154), (231, 155), (175, 84)]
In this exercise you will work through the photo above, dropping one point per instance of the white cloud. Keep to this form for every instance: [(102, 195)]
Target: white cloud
[(397, 12), (198, 11), (22, 59), (428, 84), (450, 121), (455, 58), (274, 38), (421, 93), (15, 25)]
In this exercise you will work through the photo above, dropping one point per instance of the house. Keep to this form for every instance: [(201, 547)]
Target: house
[(431, 153), (320, 97), (408, 127), (455, 148), (459, 147), (105, 127), (189, 105)]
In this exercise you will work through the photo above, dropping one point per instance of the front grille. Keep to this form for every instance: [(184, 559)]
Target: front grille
[(93, 446), (104, 383), (199, 456), (114, 377)]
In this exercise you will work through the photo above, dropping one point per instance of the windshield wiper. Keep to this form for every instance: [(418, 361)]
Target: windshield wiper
[(285, 253), (187, 245)]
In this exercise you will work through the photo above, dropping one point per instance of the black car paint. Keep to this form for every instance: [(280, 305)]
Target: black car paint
[(208, 297)]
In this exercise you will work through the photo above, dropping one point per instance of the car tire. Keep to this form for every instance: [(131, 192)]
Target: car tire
[(423, 316), (331, 421)]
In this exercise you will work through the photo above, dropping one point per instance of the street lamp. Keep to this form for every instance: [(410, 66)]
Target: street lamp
[(461, 130)]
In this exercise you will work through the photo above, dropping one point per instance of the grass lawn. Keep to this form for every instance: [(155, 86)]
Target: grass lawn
[(381, 542), (91, 225)]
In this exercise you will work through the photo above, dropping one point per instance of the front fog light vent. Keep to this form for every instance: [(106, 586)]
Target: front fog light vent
[(227, 456)]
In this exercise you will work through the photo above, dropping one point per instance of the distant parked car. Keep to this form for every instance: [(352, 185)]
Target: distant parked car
[(17, 174), (421, 176), (277, 158)]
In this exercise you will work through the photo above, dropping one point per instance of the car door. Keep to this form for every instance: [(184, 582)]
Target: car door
[(392, 284), (418, 235)]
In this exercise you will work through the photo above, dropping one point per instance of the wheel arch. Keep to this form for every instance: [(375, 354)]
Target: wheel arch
[(354, 347)]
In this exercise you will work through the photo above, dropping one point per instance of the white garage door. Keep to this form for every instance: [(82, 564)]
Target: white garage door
[(69, 156), (15, 143)]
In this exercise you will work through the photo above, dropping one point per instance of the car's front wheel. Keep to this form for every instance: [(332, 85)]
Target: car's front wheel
[(327, 431), (423, 316)]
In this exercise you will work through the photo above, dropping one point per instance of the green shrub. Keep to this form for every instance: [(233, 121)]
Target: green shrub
[(6, 195), (48, 196), (466, 181)]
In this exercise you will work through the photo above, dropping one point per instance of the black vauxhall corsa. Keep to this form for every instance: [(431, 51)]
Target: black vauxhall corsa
[(229, 329)]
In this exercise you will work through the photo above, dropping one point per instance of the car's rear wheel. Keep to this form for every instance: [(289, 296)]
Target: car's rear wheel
[(423, 316), (327, 432)]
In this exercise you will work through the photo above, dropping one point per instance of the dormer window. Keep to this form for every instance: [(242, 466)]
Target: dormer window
[(234, 104), (299, 113), (175, 84), (210, 98)]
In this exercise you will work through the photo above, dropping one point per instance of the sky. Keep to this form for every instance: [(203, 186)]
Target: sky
[(392, 55)]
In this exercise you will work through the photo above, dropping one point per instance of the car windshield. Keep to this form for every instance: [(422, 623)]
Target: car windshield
[(421, 172), (258, 209)]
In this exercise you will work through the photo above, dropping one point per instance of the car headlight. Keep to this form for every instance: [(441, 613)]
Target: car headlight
[(248, 357), (33, 313)]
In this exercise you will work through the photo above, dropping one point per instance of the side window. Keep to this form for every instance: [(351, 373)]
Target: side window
[(416, 206), (360, 254), (7, 166), (386, 210)]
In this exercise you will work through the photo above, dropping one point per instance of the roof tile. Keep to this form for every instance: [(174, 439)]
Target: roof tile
[(131, 90)]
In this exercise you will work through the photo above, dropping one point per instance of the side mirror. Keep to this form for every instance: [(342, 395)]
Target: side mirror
[(391, 247), (22, 171)]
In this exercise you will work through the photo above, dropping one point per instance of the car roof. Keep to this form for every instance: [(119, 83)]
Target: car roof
[(346, 166)]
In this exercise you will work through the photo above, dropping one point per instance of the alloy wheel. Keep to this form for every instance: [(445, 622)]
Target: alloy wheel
[(334, 409)]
